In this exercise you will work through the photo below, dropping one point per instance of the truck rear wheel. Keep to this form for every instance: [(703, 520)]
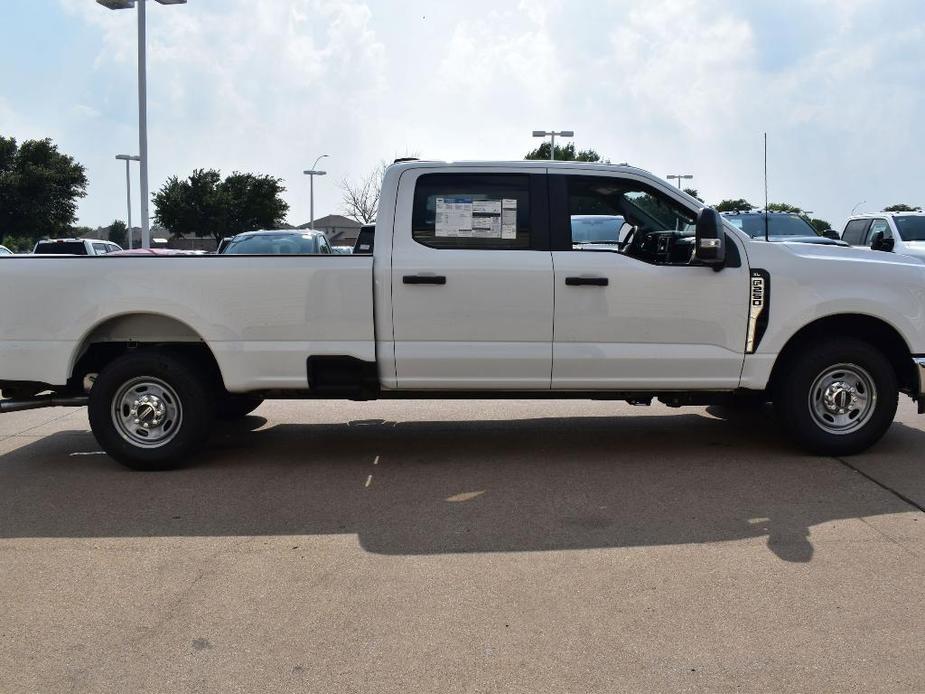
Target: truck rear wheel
[(150, 411), (838, 397)]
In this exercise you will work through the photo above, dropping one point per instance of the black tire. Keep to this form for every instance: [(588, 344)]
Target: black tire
[(802, 408), (172, 386), (230, 407)]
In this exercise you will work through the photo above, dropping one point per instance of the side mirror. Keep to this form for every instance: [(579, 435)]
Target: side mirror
[(831, 234), (710, 239), (882, 244)]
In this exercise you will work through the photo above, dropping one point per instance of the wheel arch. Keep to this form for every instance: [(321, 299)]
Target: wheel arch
[(873, 330), (117, 334)]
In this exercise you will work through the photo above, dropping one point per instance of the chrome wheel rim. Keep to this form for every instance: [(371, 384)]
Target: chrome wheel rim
[(147, 412), (842, 399)]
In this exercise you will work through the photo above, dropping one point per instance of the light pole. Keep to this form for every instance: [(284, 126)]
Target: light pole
[(142, 103), (311, 173), (552, 134), (863, 202), (679, 177), (128, 159)]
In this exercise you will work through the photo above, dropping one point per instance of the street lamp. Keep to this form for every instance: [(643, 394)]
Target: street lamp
[(128, 159), (142, 103), (311, 173), (679, 177), (552, 134)]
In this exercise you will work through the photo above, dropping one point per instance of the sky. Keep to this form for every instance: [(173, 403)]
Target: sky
[(672, 86)]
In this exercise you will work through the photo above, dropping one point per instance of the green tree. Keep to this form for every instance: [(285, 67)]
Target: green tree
[(820, 225), (207, 205), (693, 193), (902, 207), (39, 189), (564, 153), (118, 233), (784, 207), (738, 205)]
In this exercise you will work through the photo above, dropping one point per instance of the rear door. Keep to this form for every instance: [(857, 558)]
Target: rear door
[(472, 284)]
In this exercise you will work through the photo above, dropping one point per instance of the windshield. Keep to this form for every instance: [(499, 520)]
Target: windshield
[(61, 247), (602, 229), (272, 244), (778, 225), (910, 228)]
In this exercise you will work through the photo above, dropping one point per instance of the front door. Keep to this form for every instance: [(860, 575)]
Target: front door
[(632, 312), (472, 289)]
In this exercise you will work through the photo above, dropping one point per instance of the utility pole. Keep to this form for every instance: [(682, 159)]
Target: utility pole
[(552, 134), (679, 178), (311, 173), (128, 159)]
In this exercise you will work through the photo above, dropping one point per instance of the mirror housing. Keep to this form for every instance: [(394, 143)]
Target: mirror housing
[(831, 234), (710, 239), (879, 243)]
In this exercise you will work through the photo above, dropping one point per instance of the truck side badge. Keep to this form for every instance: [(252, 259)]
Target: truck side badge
[(758, 307)]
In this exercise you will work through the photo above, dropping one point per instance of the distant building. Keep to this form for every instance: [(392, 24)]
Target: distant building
[(340, 231)]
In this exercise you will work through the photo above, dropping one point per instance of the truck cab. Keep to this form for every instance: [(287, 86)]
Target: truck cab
[(896, 232)]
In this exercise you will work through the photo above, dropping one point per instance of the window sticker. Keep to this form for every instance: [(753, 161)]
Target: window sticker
[(509, 218), (454, 217), (737, 223), (486, 219), (465, 217)]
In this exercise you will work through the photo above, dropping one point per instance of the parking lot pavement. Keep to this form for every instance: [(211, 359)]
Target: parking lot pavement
[(463, 546)]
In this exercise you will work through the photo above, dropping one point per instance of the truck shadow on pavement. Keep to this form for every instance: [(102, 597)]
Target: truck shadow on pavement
[(461, 486)]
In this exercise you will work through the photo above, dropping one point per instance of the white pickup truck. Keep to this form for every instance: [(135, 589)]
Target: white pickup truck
[(475, 288)]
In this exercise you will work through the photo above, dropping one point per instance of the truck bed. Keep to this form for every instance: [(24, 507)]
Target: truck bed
[(261, 316)]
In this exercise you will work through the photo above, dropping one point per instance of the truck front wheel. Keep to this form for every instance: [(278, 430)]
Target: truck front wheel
[(150, 411), (837, 397)]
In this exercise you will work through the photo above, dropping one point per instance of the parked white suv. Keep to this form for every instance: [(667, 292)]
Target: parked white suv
[(899, 232)]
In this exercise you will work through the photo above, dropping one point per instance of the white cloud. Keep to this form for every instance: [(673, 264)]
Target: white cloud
[(668, 85)]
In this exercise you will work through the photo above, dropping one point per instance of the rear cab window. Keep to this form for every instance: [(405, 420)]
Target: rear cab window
[(473, 211), (61, 247), (855, 231)]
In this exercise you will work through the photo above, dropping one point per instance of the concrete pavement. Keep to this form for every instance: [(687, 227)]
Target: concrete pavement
[(522, 546)]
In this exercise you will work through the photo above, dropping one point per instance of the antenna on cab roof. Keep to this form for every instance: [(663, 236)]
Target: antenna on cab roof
[(766, 187)]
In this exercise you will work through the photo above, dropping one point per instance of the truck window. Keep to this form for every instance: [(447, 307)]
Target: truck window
[(607, 213), (100, 248), (911, 228), (472, 211), (61, 247), (854, 232), (875, 226)]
